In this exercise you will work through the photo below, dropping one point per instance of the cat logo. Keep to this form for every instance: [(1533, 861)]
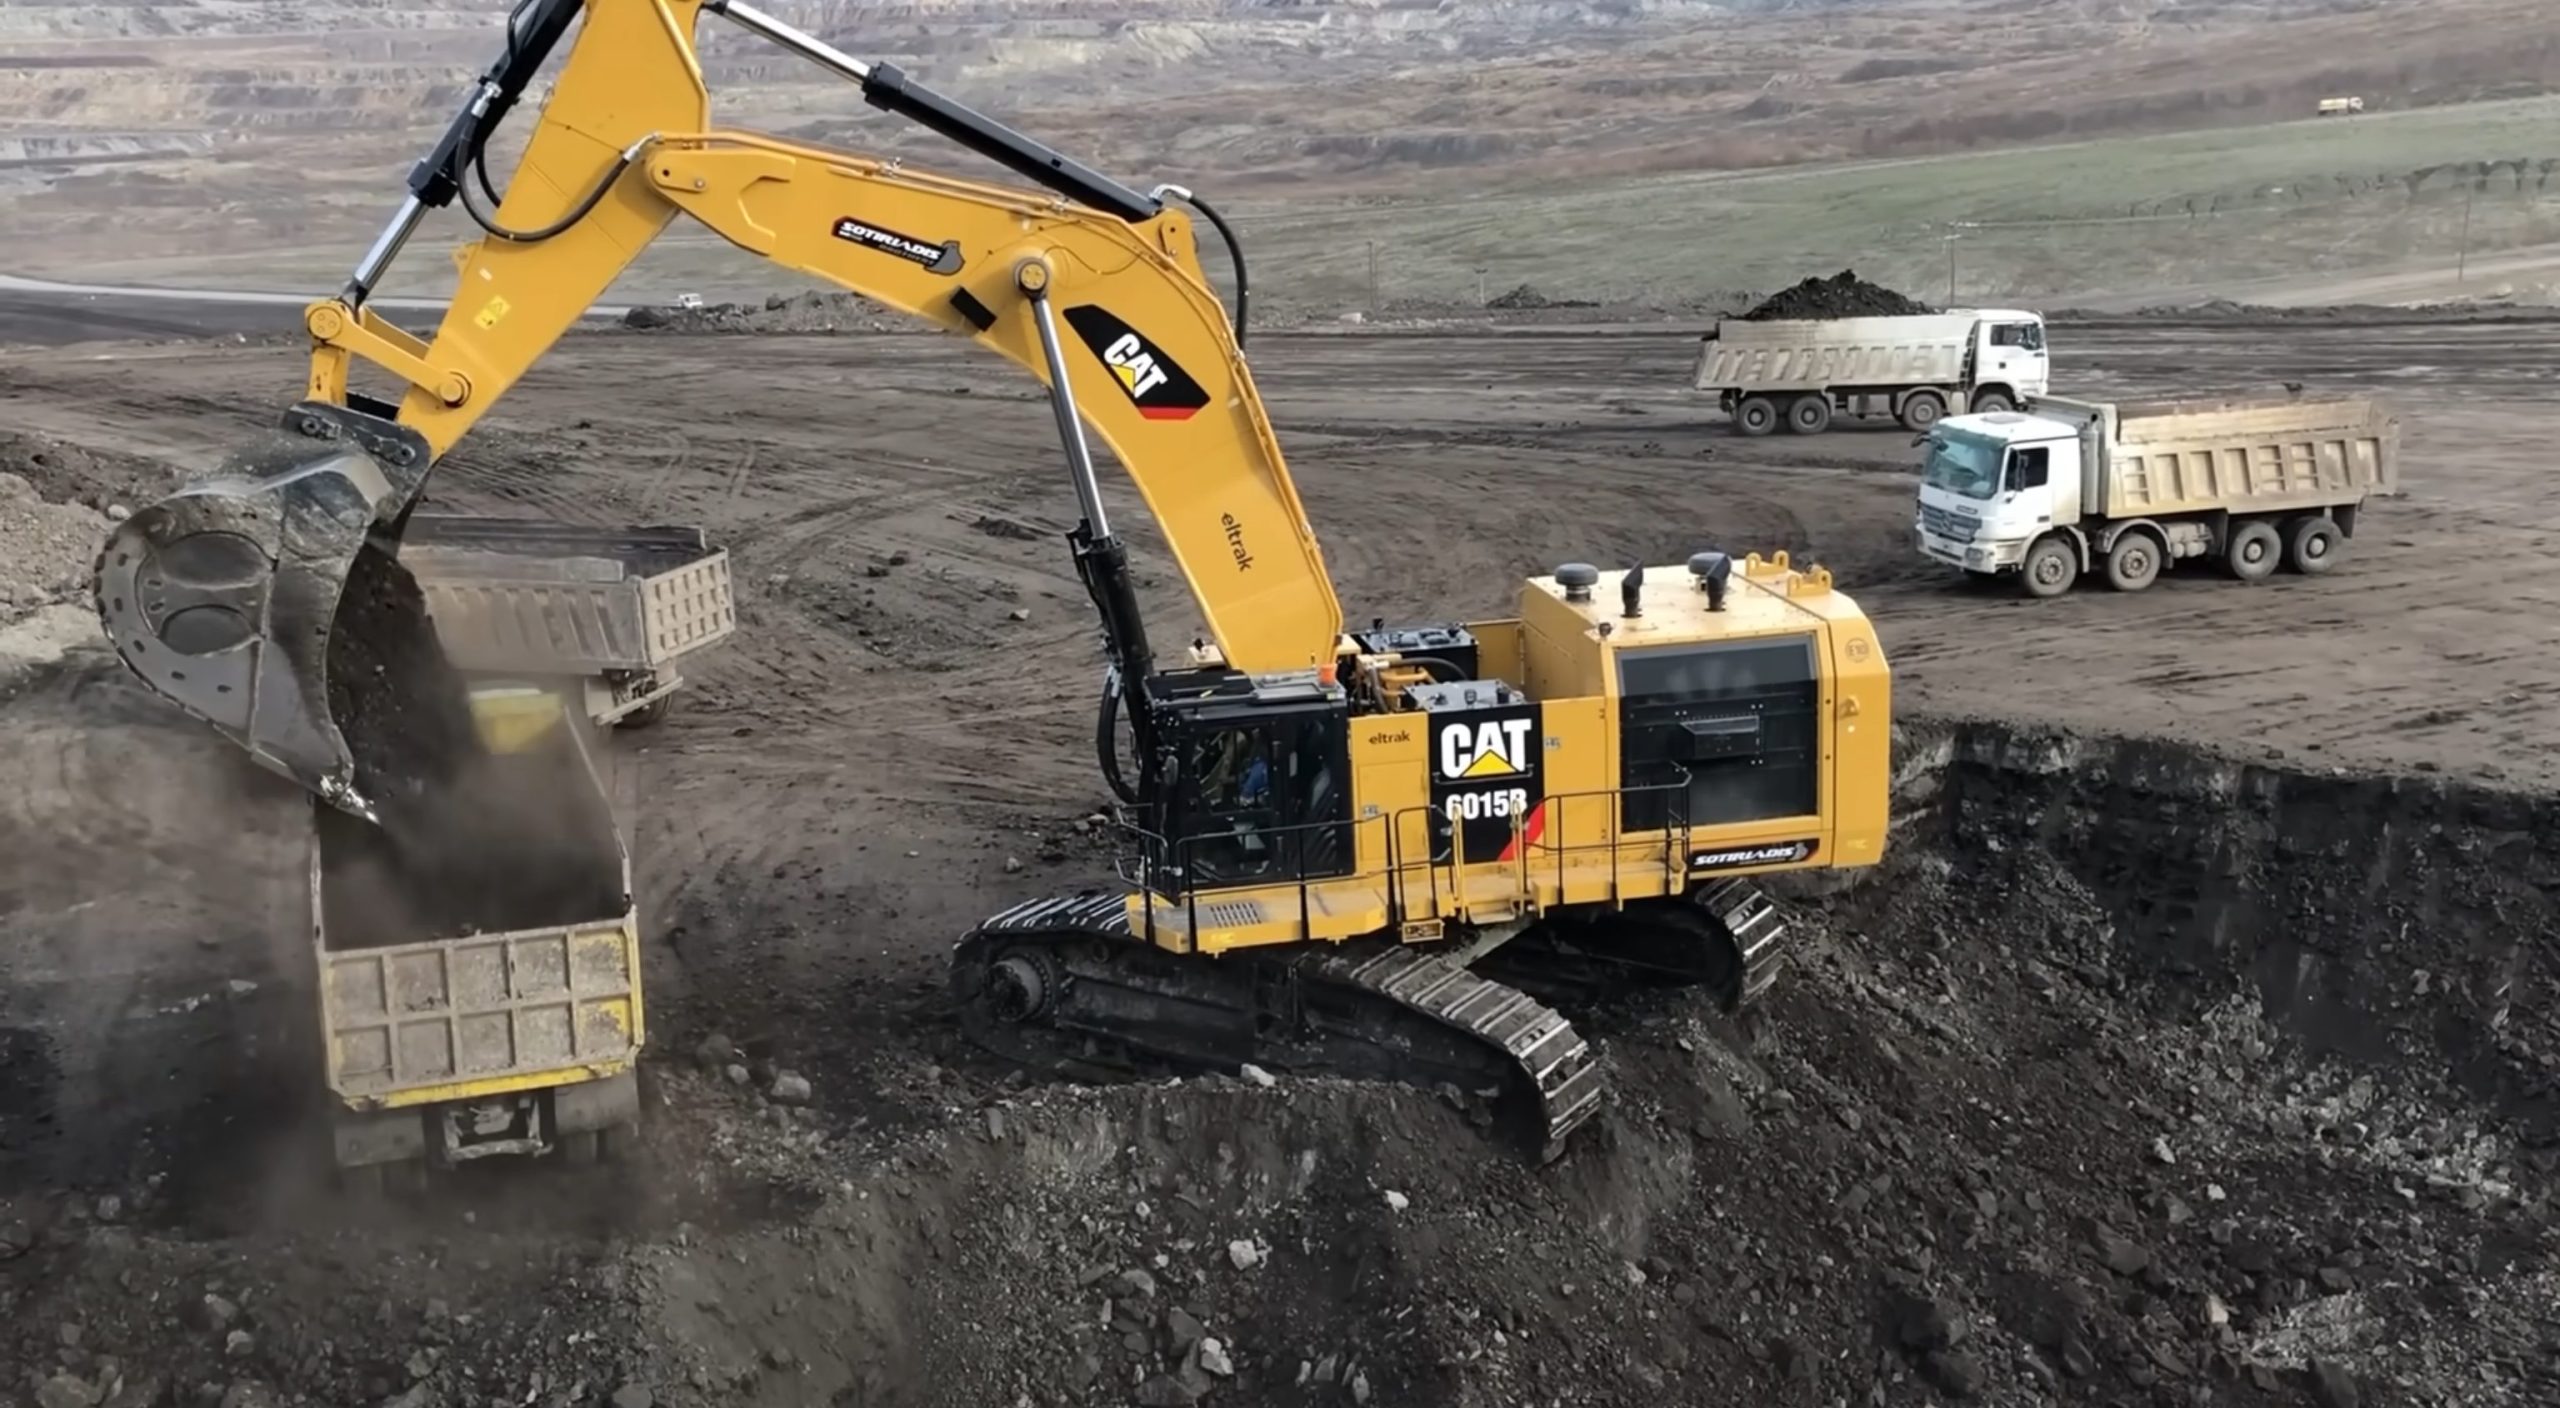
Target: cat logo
[(1154, 382), (1489, 748), (1135, 364)]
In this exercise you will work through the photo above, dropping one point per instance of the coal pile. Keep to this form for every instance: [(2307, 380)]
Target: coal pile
[(1527, 299), (1843, 295)]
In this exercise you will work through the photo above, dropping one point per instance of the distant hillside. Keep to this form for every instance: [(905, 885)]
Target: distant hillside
[(235, 128)]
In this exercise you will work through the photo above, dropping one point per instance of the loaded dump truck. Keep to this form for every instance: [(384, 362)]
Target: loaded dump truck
[(481, 997), (2124, 488), (1800, 372)]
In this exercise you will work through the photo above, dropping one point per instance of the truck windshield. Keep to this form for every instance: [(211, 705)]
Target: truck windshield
[(1962, 464)]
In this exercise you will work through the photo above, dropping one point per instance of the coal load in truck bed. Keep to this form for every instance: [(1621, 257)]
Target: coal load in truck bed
[(512, 841), (404, 712), (1843, 295), (469, 841)]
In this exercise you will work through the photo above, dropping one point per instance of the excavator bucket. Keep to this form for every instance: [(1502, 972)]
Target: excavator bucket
[(268, 600)]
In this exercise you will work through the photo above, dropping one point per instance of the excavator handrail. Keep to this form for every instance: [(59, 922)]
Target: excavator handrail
[(1153, 855)]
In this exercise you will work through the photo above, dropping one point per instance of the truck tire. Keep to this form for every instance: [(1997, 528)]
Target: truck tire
[(1989, 401), (648, 715), (2049, 568), (2253, 552), (2134, 562), (2311, 545), (1921, 409), (1756, 415), (1809, 414)]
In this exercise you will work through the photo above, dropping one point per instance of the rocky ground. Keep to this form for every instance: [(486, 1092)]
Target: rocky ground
[(2141, 1074), (2098, 1093)]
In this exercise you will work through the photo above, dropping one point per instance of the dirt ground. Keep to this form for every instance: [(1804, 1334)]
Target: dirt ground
[(2140, 1075)]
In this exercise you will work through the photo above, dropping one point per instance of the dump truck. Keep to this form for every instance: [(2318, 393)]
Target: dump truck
[(2126, 488), (496, 1015), (612, 609), (1916, 369), (2340, 107)]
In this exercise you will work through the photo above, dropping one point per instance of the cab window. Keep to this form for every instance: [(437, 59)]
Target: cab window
[(2025, 336), (2027, 468)]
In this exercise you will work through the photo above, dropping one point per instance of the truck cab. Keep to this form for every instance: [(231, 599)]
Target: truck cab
[(1992, 484), (2009, 355)]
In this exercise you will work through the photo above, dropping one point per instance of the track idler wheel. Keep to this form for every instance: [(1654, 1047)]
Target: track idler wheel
[(1021, 986)]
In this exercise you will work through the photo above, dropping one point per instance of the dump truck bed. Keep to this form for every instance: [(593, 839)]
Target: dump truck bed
[(1813, 354), (528, 596), (509, 963), (2241, 455)]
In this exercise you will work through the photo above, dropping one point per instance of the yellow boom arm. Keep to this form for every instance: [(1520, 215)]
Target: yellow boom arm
[(1152, 363), (226, 597)]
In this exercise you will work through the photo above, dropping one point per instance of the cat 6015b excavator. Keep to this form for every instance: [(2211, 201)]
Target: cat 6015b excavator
[(1382, 852)]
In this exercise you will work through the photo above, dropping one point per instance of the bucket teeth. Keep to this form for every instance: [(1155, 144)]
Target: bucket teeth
[(224, 596)]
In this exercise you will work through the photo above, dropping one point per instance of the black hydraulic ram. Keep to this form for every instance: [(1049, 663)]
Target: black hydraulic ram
[(534, 28), (885, 87)]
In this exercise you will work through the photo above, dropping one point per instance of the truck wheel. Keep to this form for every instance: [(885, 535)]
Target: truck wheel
[(1757, 415), (2253, 551), (2311, 545), (1809, 414), (2051, 566), (1921, 409), (2133, 563), (1987, 402), (647, 715)]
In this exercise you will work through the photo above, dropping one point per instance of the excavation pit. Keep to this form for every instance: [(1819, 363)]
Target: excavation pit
[(2135, 1070)]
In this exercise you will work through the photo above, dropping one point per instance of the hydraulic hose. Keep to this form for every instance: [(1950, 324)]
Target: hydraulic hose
[(1106, 741), (474, 153), (1235, 248), (557, 227)]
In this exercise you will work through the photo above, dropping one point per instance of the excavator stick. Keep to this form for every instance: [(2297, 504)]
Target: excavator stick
[(268, 600)]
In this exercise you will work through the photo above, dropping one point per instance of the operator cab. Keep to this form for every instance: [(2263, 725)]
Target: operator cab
[(1252, 785)]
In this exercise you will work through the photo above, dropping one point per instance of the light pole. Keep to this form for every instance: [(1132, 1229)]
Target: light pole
[(2462, 260)]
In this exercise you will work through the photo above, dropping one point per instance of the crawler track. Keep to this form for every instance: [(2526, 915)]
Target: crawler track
[(1062, 985)]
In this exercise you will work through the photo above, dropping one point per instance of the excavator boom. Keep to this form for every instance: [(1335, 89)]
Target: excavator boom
[(231, 597), (1397, 853)]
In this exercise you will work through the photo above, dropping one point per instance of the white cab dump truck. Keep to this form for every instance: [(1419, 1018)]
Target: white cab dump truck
[(546, 603), (2125, 488), (1916, 369), (484, 1003)]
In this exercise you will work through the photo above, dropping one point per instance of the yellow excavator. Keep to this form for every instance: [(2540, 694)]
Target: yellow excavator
[(1388, 852)]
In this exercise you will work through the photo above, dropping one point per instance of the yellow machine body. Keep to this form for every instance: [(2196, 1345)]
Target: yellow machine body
[(1534, 803)]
